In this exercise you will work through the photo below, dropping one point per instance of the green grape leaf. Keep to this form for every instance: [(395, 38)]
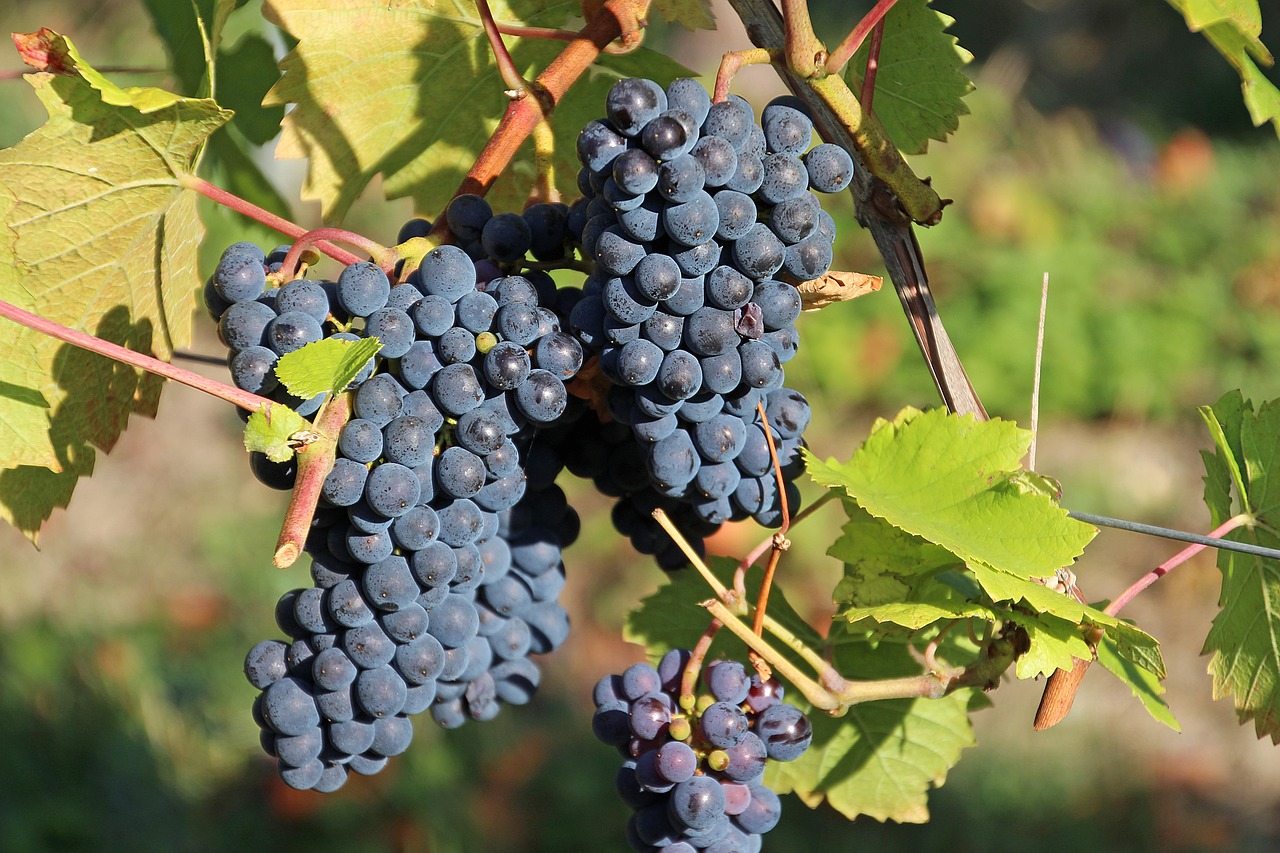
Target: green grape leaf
[(1053, 643), (951, 481), (1245, 636), (1234, 28), (920, 81), (322, 367), (691, 14), (191, 31), (274, 433), (915, 615), (1132, 642), (1140, 682), (105, 241), (881, 758), (881, 562), (417, 104), (227, 164)]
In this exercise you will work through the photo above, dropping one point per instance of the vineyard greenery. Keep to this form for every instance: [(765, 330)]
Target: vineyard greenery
[(956, 554)]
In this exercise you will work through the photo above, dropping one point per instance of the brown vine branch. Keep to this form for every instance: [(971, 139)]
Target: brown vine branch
[(615, 19), (315, 461), (243, 399)]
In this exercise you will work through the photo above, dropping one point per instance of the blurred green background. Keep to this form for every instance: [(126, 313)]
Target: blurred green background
[(1107, 146)]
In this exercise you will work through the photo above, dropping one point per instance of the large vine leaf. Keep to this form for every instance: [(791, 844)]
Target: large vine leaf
[(954, 481), (105, 241), (409, 91), (1245, 636), (1234, 28), (920, 81), (930, 493)]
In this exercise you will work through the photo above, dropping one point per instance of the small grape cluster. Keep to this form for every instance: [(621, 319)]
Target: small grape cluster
[(701, 223), (693, 767), (436, 549)]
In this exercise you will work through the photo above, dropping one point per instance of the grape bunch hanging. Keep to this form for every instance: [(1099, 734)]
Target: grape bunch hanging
[(437, 546)]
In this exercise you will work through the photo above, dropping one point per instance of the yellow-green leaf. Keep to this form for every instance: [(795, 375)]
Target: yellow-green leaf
[(1234, 28), (104, 240), (324, 366), (920, 81), (273, 434), (691, 14)]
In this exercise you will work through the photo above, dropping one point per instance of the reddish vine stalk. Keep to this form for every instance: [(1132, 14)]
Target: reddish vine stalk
[(266, 217), (315, 461), (840, 57), (235, 396), (382, 256)]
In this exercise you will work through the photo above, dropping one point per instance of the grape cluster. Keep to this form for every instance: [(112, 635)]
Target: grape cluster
[(436, 549), (437, 545), (701, 223), (692, 770)]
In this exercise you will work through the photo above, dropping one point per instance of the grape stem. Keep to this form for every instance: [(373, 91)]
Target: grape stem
[(806, 56), (689, 678), (544, 155), (385, 258), (516, 84), (266, 217), (557, 35), (840, 57), (1060, 689), (1241, 520), (721, 591), (873, 65), (243, 399), (766, 544), (779, 539), (315, 461), (734, 61), (841, 120)]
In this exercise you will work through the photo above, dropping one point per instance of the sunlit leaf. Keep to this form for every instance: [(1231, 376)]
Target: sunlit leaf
[(106, 241)]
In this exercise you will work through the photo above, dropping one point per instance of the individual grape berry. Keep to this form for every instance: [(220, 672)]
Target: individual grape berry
[(363, 288), (506, 237), (830, 168), (467, 215), (241, 274)]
